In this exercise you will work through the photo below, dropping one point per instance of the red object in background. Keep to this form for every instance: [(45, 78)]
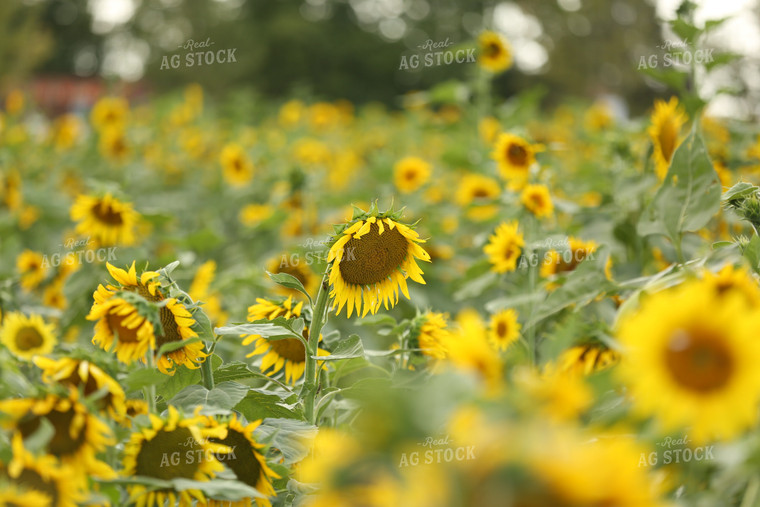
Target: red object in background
[(56, 95)]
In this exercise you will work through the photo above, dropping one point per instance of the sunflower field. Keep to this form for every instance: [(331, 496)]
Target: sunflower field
[(468, 301)]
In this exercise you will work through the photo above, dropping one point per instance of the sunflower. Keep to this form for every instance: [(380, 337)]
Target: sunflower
[(176, 447), (253, 214), (598, 117), (514, 155), (25, 336), (77, 435), (587, 359), (106, 219), (121, 326), (236, 165), (557, 263), (698, 350), (468, 350), (109, 112), (246, 461), (38, 481), (288, 352), (537, 200), (300, 270), (372, 257), (488, 128), (113, 144), (72, 372), (430, 333), (503, 329), (667, 120), (495, 54), (310, 152), (504, 247), (554, 394), (10, 190), (66, 130), (481, 192), (730, 280), (410, 173), (290, 113), (32, 267)]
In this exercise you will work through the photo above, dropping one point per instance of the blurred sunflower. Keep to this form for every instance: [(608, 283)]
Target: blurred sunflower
[(289, 352), (430, 333), (552, 393), (488, 128), (504, 247), (410, 173), (106, 219), (77, 435), (557, 263), (468, 350), (67, 130), (481, 192), (371, 259), (665, 130), (699, 351), (32, 267), (25, 336), (174, 447), (121, 326), (38, 479), (253, 214), (246, 461), (134, 408), (598, 117), (730, 280), (77, 373), (537, 200), (109, 112), (503, 329), (300, 270), (495, 54), (587, 359), (10, 190), (200, 291), (113, 144), (515, 157), (237, 166)]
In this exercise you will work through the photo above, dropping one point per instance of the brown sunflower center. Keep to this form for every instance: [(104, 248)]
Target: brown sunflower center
[(61, 444), (243, 459), (374, 257), (125, 334), (90, 386), (501, 329), (410, 174), (492, 49), (170, 328), (480, 192), (28, 338), (169, 455), (517, 154), (290, 349), (668, 134), (293, 270), (698, 360), (31, 480), (106, 214)]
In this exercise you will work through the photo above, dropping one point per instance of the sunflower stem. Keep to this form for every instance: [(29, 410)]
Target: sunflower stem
[(309, 389), (149, 391), (206, 373)]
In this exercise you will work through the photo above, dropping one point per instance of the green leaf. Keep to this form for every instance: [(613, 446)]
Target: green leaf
[(289, 281), (142, 377), (219, 400), (722, 59), (184, 377), (38, 441), (236, 371), (203, 325), (347, 349), (269, 329), (740, 190), (260, 404), (722, 244), (688, 198), (219, 489), (672, 78), (752, 253), (685, 30), (290, 436), (175, 345)]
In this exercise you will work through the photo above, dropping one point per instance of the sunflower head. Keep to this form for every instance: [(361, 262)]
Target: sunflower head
[(504, 247), (107, 220), (410, 173), (503, 329), (237, 166), (495, 54), (665, 132), (563, 262), (429, 332), (586, 359), (515, 156), (371, 258), (175, 447), (537, 200), (27, 336), (32, 268), (109, 112)]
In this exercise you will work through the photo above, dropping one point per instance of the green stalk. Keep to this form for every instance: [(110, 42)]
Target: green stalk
[(206, 374), (319, 319), (149, 391)]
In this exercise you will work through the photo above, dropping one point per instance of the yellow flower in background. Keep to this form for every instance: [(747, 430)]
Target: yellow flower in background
[(254, 214), (504, 247), (514, 155), (76, 373), (494, 53), (10, 189), (587, 359), (106, 219), (113, 144), (554, 394), (150, 450), (200, 291), (698, 350), (237, 166), (309, 152), (488, 128), (38, 479), (371, 260), (289, 352), (14, 102), (665, 132), (27, 336), (32, 268), (537, 200), (468, 350), (598, 117), (556, 262), (479, 193), (410, 173), (730, 280), (78, 435), (53, 295), (109, 112), (28, 216), (67, 129), (246, 461), (323, 115), (290, 113), (298, 268), (432, 335), (503, 329)]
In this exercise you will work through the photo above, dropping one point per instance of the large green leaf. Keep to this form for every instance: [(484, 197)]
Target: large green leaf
[(349, 348), (290, 436), (260, 404), (184, 377), (218, 400), (688, 198), (289, 281)]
